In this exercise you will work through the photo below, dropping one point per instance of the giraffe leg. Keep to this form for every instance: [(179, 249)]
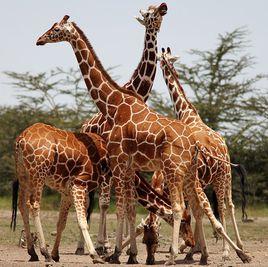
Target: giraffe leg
[(24, 210), (221, 208), (198, 214), (175, 186), (80, 249), (103, 244), (34, 203), (80, 198), (120, 207), (205, 206), (231, 210), (66, 202), (196, 248), (131, 215)]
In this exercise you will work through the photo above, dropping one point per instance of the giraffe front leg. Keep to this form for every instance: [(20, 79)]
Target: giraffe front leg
[(80, 199), (131, 216), (177, 203), (120, 208), (66, 202), (103, 246)]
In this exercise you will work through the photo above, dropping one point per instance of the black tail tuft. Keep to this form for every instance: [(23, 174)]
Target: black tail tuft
[(91, 205), (243, 174), (15, 191)]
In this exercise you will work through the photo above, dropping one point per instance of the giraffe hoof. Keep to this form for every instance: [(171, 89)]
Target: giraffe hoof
[(150, 261), (98, 260), (113, 259), (34, 258), (203, 260), (132, 259), (128, 251), (101, 251), (188, 257), (79, 251), (243, 256), (56, 258)]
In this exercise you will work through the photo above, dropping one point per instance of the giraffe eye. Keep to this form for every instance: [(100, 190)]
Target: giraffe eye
[(56, 29)]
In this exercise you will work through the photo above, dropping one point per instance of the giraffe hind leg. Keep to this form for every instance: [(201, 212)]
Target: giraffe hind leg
[(34, 204), (205, 206), (66, 202), (231, 210), (80, 199), (24, 210)]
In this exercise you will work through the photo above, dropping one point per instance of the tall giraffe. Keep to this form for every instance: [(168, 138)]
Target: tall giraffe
[(71, 163), (211, 170), (140, 140), (140, 83)]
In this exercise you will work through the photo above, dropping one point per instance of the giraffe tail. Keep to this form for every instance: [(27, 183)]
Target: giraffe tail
[(90, 208), (15, 191), (240, 169)]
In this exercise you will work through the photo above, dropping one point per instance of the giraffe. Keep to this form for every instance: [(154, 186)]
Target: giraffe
[(72, 164), (212, 171), (64, 160), (140, 140), (140, 83), (142, 79)]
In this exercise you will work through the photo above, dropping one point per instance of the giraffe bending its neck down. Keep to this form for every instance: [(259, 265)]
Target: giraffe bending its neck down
[(211, 170), (71, 163), (140, 140)]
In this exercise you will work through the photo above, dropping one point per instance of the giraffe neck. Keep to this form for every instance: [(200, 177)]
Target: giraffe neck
[(184, 109), (99, 83), (142, 79), (152, 200)]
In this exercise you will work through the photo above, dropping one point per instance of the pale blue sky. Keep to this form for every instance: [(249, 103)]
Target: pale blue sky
[(117, 37)]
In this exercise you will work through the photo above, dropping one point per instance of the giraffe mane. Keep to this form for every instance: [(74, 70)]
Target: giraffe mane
[(176, 78), (100, 66), (98, 62)]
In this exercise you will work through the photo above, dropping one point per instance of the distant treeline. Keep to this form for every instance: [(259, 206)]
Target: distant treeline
[(227, 100)]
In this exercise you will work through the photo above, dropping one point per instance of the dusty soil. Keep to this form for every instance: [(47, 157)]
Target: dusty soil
[(15, 256), (254, 236)]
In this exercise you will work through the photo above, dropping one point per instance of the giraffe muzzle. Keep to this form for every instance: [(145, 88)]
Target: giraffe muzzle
[(40, 41)]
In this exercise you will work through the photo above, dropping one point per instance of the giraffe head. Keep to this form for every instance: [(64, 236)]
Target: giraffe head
[(152, 17), (151, 237), (167, 58), (59, 32)]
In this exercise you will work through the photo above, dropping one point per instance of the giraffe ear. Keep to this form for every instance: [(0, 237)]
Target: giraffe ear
[(139, 20), (64, 19)]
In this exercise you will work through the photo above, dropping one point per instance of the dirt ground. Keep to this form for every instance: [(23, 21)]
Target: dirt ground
[(254, 236)]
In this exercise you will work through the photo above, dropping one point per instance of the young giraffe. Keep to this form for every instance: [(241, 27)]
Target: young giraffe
[(71, 163), (140, 140), (211, 170), (140, 83)]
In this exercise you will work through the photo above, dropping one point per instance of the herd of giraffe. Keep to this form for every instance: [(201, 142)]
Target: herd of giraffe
[(125, 138)]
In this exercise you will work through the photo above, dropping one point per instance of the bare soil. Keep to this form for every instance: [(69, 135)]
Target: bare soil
[(254, 236)]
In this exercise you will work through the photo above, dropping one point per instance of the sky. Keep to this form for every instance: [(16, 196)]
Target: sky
[(118, 38)]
